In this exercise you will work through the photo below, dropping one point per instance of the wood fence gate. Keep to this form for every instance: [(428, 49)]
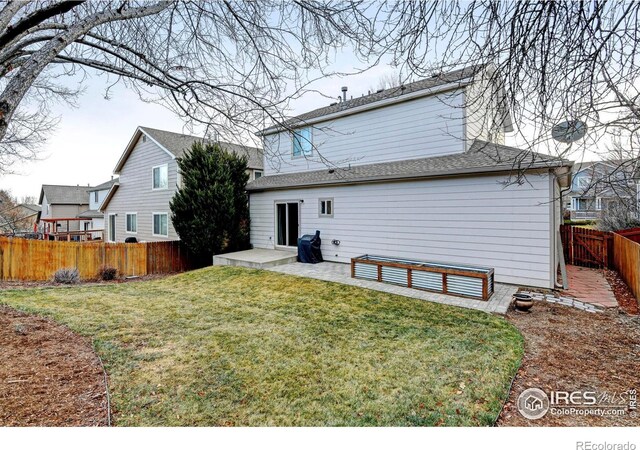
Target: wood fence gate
[(585, 247)]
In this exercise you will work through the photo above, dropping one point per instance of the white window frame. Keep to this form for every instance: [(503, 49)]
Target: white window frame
[(95, 196), (303, 154), (328, 200), (256, 172), (166, 166), (110, 228), (126, 222), (153, 233), (583, 181), (275, 222)]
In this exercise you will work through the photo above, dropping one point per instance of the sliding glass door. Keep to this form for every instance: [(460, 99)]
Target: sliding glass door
[(287, 224)]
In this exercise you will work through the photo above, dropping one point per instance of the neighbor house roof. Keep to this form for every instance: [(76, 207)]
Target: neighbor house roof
[(103, 186), (64, 195), (482, 157), (109, 196), (458, 78), (90, 214), (175, 144)]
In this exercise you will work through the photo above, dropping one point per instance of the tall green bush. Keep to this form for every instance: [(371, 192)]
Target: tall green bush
[(210, 210)]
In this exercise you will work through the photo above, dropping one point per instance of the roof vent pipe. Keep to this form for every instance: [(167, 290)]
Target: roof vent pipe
[(344, 93)]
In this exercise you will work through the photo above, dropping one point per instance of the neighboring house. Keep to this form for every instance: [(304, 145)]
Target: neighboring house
[(62, 202), (412, 172), (137, 205), (19, 218), (95, 218), (597, 185)]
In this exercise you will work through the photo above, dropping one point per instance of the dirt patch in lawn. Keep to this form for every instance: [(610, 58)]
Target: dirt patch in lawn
[(626, 300), (571, 350), (49, 376)]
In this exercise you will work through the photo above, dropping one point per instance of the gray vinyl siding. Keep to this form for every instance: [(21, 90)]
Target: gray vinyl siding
[(93, 205), (473, 220), (135, 195), (428, 126), (63, 211), (482, 113)]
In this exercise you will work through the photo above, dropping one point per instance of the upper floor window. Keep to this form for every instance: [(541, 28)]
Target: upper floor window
[(257, 174), (581, 181), (302, 142), (160, 177), (95, 196)]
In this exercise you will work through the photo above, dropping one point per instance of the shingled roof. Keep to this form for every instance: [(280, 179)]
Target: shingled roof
[(103, 186), (482, 157), (178, 143), (65, 195), (386, 94)]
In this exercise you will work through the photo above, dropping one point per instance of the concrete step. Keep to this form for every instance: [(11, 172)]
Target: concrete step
[(256, 258)]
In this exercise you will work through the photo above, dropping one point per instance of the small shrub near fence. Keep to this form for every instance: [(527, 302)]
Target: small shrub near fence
[(33, 260), (67, 276), (107, 273)]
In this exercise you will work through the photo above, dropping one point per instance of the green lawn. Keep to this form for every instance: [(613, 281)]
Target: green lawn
[(232, 346)]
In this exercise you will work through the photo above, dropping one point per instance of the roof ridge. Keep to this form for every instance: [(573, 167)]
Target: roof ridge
[(197, 137), (431, 82)]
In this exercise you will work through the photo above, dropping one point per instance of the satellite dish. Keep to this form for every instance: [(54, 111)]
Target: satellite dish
[(569, 131)]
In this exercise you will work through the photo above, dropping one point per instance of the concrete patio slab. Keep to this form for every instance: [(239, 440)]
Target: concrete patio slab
[(341, 273), (256, 258)]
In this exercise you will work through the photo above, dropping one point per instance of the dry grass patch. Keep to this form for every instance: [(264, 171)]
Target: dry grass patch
[(232, 346)]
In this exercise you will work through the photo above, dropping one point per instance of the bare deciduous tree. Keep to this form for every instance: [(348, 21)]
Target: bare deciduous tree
[(228, 64), (553, 61)]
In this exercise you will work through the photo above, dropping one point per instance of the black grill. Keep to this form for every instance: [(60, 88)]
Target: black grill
[(309, 248)]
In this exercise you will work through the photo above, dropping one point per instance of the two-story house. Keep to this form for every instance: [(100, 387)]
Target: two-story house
[(417, 172), (62, 202), (137, 205), (597, 185), (95, 218)]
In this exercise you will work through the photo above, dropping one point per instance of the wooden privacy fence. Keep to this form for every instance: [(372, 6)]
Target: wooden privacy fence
[(585, 247), (592, 248), (633, 234), (34, 260), (626, 260)]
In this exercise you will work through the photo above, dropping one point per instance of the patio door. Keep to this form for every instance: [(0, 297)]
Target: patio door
[(287, 224), (112, 227)]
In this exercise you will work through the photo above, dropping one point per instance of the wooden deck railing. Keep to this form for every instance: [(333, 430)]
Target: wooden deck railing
[(36, 260)]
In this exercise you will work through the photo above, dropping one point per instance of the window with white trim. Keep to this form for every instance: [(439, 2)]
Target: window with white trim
[(325, 207), (160, 224), (160, 177), (132, 223), (302, 142), (257, 174), (95, 196)]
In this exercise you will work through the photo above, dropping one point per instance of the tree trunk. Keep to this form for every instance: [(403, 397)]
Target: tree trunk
[(16, 89)]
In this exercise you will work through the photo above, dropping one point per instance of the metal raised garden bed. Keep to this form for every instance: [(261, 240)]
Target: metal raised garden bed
[(453, 279)]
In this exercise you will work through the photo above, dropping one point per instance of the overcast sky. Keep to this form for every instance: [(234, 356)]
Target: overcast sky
[(90, 138)]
